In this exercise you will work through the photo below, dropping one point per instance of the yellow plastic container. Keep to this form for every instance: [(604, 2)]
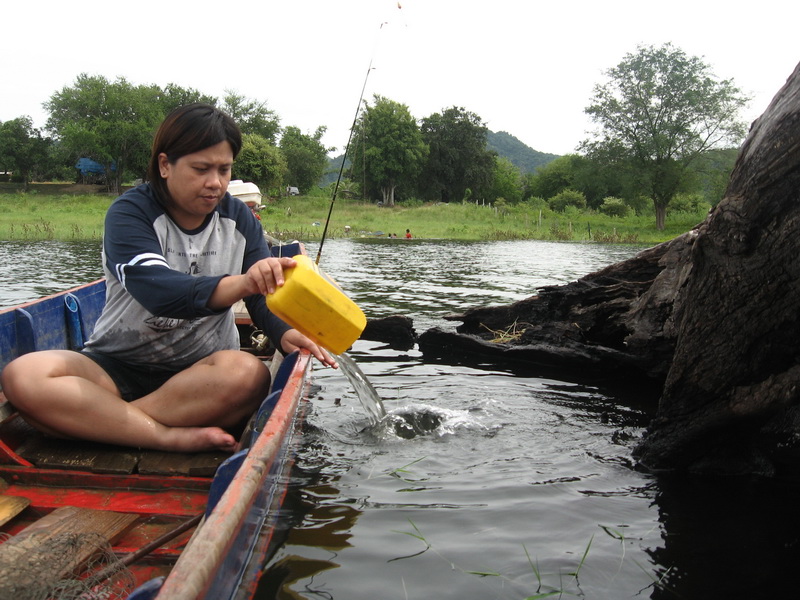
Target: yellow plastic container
[(313, 304)]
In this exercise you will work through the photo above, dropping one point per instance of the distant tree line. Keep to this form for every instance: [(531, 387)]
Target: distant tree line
[(667, 129), (113, 123)]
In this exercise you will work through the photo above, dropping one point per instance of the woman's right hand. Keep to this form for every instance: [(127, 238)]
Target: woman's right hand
[(266, 276)]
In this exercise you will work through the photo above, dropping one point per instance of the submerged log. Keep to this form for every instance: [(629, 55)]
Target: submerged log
[(712, 318), (613, 323), (397, 331)]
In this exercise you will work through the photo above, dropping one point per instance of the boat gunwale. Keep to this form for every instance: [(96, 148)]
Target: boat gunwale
[(194, 572), (51, 296)]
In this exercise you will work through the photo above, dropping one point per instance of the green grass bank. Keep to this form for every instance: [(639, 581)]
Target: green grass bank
[(68, 212)]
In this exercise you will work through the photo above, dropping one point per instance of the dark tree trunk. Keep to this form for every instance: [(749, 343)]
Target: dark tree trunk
[(731, 397), (713, 315), (661, 215)]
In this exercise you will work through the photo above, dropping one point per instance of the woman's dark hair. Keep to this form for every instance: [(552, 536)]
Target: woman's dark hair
[(186, 130)]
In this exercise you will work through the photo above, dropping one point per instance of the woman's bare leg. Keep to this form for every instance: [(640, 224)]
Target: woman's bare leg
[(69, 394), (222, 389)]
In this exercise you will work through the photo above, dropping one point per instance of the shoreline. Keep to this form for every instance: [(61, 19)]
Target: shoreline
[(38, 216)]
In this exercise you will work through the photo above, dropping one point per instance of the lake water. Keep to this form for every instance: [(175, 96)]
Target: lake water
[(515, 487), (30, 270)]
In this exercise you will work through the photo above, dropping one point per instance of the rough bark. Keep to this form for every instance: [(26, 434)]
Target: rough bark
[(713, 315), (730, 398)]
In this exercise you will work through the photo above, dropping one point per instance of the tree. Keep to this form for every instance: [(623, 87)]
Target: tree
[(507, 181), (565, 198), (554, 177), (260, 162), (712, 171), (594, 177), (658, 112), (252, 116), (173, 96), (458, 159), (110, 122), (614, 207), (306, 157), (22, 148), (388, 150)]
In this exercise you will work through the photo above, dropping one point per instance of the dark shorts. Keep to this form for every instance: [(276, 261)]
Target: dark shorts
[(133, 380)]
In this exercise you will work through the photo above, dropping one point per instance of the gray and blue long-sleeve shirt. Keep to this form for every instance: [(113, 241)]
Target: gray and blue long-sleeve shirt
[(160, 277)]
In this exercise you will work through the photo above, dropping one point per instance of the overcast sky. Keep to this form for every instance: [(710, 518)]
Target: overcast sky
[(526, 67)]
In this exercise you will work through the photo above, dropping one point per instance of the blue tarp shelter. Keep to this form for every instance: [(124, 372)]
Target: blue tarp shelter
[(88, 166)]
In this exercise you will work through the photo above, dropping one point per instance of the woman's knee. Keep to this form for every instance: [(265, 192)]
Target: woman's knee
[(243, 370), (19, 377), (26, 380)]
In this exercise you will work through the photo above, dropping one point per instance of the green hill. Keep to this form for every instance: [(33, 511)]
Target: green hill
[(525, 158)]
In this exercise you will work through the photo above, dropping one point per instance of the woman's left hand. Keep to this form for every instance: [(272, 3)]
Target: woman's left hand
[(294, 340)]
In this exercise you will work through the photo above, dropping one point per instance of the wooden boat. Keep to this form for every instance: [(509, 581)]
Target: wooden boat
[(166, 524)]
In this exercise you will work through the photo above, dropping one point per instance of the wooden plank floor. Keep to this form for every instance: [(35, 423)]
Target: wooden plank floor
[(79, 455), (44, 451), (11, 506)]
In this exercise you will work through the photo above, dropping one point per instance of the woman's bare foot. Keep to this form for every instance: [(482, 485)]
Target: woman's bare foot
[(198, 439)]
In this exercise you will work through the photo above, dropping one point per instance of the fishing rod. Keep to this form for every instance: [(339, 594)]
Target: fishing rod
[(344, 158)]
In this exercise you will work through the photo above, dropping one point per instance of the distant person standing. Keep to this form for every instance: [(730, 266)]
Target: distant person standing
[(408, 234)]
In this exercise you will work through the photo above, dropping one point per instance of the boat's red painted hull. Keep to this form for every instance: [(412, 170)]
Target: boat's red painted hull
[(160, 491)]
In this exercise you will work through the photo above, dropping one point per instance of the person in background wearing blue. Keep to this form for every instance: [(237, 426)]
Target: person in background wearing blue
[(163, 368)]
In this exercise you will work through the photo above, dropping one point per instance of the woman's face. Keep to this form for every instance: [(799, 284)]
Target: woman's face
[(197, 182)]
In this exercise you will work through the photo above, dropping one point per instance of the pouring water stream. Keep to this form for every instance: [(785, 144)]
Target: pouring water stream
[(406, 422), (372, 403)]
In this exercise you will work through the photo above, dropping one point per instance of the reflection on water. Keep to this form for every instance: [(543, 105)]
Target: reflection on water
[(483, 482), (500, 466), (426, 280)]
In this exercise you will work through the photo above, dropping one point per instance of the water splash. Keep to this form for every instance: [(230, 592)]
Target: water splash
[(372, 403), (406, 422), (416, 420)]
